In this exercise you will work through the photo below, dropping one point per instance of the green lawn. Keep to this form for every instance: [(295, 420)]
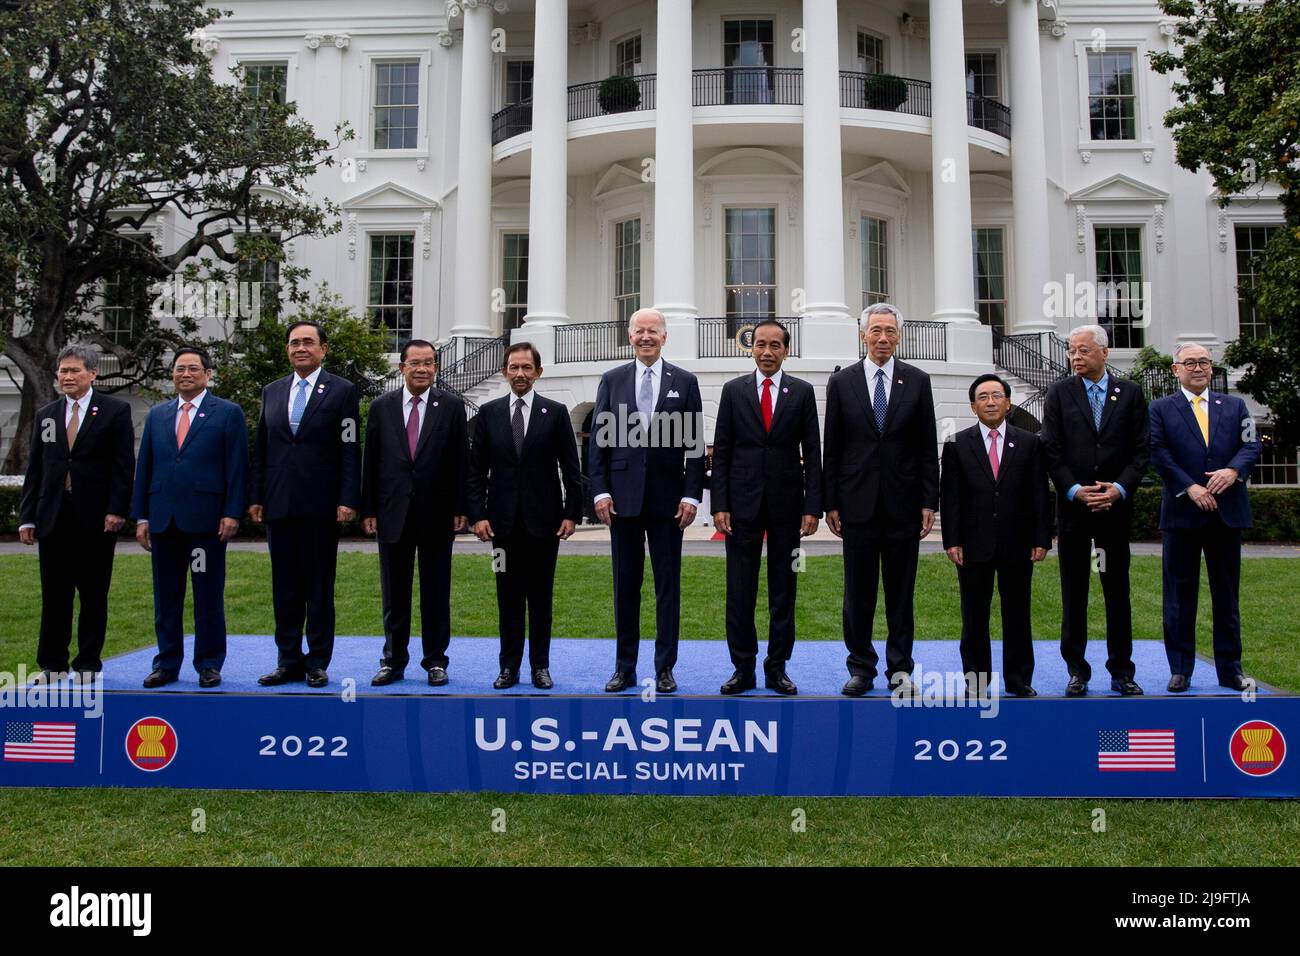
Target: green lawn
[(144, 827)]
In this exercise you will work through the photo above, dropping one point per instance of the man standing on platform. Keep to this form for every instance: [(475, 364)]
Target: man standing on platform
[(1204, 445), (996, 522), (525, 496), (646, 464), (306, 483), (1095, 442), (189, 497), (882, 489), (767, 481), (75, 499)]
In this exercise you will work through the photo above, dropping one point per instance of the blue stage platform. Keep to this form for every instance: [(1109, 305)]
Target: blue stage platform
[(576, 739)]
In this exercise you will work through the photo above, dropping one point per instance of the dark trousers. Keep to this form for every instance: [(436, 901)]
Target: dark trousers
[(1074, 549), (744, 551), (975, 579), (1182, 584), (867, 553), (304, 555), (74, 563), (396, 576), (628, 540), (526, 580), (177, 555)]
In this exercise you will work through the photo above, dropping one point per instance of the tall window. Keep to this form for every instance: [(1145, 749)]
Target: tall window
[(748, 47), (750, 289), (990, 276), (397, 104), (1112, 96), (1250, 243), (984, 86), (1120, 307), (519, 81), (392, 278), (627, 56), (874, 239), (265, 83), (627, 269), (125, 300), (514, 278), (264, 270), (871, 53), (1276, 465)]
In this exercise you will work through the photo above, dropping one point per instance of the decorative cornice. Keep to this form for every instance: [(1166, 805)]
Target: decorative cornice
[(1160, 227), (1223, 230), (456, 8), (352, 235), (426, 225), (1086, 156), (1053, 28), (340, 41), (1081, 227)]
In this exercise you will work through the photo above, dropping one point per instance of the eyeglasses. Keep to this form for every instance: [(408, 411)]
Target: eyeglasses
[(1192, 364), (188, 369), (299, 343), (986, 396), (421, 363), (1084, 352)]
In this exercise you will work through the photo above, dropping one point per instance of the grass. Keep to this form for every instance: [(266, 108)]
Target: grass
[(153, 827)]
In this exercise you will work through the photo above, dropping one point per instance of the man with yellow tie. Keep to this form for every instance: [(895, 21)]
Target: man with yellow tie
[(1203, 444)]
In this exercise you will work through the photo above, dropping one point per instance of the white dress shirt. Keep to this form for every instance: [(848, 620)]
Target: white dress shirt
[(311, 388), (870, 368), (1002, 438), (528, 408), (776, 388), (407, 399)]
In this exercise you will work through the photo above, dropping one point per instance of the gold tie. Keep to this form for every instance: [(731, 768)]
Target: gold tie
[(73, 422), (1202, 417)]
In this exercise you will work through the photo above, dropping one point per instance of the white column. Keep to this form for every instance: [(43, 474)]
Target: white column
[(473, 280), (1031, 259), (674, 223)]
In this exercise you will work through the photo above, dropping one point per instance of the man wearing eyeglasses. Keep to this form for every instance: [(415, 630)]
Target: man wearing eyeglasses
[(1204, 445), (1095, 443)]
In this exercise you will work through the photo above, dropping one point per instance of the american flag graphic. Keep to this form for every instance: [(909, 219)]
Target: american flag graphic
[(40, 742), (1135, 750)]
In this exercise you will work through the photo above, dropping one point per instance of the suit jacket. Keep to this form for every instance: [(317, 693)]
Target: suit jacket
[(752, 465), (643, 480), (987, 518), (100, 464), (314, 473), (504, 484), (1179, 454), (873, 475), (203, 481), (1078, 453), (427, 492)]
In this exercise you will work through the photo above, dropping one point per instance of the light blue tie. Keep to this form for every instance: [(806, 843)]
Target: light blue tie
[(1094, 396), (878, 402), (645, 402), (299, 403)]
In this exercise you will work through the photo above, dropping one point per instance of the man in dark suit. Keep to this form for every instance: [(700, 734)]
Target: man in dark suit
[(523, 449), (996, 522), (1095, 442), (413, 499), (1204, 445), (647, 483), (75, 499), (189, 497), (882, 488), (305, 483), (767, 480)]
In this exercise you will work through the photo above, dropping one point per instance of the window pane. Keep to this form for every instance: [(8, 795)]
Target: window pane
[(391, 289)]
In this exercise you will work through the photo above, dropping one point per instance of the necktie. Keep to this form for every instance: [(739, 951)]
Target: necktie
[(1202, 417), (1094, 399), (299, 403), (766, 404), (413, 426), (183, 425), (878, 402), (993, 454), (517, 425), (73, 423), (645, 401)]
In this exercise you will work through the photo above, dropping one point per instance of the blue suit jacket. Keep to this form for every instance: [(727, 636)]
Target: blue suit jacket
[(200, 483), (1179, 454)]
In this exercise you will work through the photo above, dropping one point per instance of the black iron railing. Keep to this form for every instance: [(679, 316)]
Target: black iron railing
[(481, 360), (732, 336), (592, 342), (920, 342), (988, 115), (512, 120), (748, 86), (585, 99), (879, 91)]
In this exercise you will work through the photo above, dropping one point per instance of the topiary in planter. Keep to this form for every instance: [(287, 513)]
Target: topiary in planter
[(618, 94), (884, 92)]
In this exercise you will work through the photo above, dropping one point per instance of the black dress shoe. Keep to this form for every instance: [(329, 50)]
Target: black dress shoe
[(1238, 682), (739, 682), (1077, 686), (387, 675), (281, 675), (619, 681), (780, 682), (209, 677), (542, 678), (316, 677), (1021, 690), (438, 676), (508, 677), (857, 686), (1178, 684), (159, 679), (1125, 686), (664, 682)]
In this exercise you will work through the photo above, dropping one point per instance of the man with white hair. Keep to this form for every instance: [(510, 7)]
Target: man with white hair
[(881, 471), (1095, 443)]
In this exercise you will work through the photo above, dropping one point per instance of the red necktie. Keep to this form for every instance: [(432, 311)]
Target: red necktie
[(993, 454), (413, 425), (183, 426), (766, 404)]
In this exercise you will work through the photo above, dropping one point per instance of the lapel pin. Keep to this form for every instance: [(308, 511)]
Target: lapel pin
[(1218, 401), (900, 381), (785, 391), (1116, 389), (435, 404), (1011, 444), (319, 389), (543, 411), (203, 414), (1114, 399), (94, 409)]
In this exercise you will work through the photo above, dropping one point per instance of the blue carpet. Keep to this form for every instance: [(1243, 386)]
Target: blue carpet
[(581, 666)]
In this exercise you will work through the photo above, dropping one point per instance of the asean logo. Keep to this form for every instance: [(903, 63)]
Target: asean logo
[(151, 743), (1257, 748)]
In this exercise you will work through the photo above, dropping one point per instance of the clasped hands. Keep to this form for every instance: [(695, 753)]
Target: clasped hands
[(1219, 481)]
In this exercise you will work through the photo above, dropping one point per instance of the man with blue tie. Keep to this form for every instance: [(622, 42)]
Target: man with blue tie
[(189, 496), (1204, 445)]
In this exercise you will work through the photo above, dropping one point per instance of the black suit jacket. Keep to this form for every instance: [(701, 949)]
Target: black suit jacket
[(1078, 453), (314, 473), (880, 476), (428, 491), (1006, 518), (504, 485), (101, 463), (751, 465)]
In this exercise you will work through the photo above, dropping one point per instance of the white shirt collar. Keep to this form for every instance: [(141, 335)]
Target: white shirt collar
[(657, 368), (83, 403), (527, 397), (407, 395), (1001, 430), (1192, 396), (197, 400), (759, 376), (872, 367), (311, 379)]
